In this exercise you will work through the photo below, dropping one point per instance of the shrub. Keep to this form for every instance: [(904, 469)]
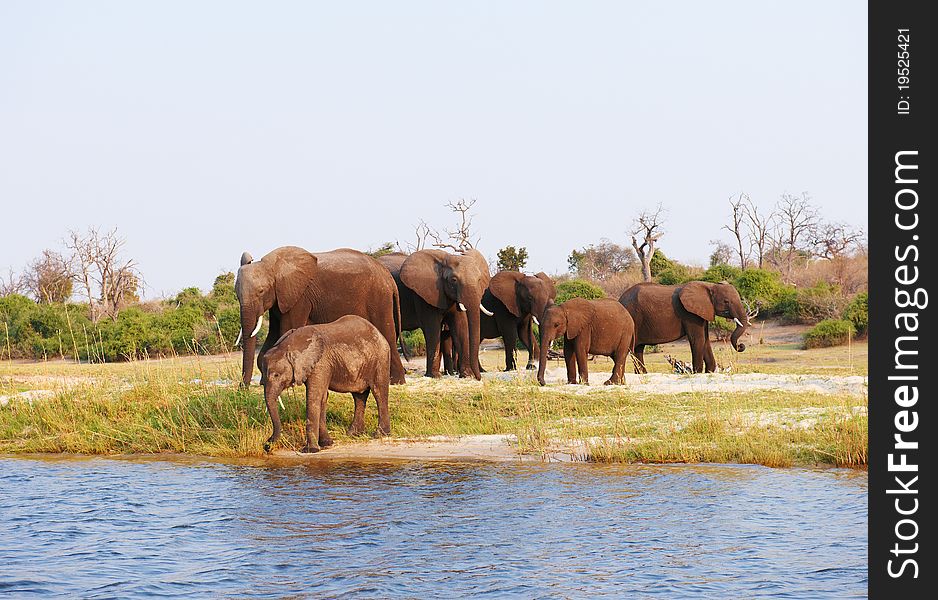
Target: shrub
[(415, 342), (857, 312), (577, 288), (660, 263), (761, 287), (721, 328), (674, 276), (721, 272), (830, 332)]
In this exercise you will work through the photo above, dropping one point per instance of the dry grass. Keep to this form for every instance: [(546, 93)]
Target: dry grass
[(192, 406)]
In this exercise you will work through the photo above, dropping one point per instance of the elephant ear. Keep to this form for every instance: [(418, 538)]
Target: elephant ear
[(422, 272), (304, 357), (696, 299), (504, 286), (549, 283), (294, 271), (481, 265), (577, 318)]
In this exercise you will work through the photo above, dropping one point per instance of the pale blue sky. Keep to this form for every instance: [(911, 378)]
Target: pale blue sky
[(203, 129)]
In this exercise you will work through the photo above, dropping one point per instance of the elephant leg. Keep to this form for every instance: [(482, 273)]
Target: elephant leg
[(325, 440), (640, 359), (526, 334), (695, 334), (380, 392), (447, 353), (569, 357), (313, 407), (358, 420), (581, 346), (397, 367), (432, 324), (618, 367), (509, 337), (710, 361)]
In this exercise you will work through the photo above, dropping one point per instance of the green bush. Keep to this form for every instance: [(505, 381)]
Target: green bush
[(577, 288), (857, 312), (831, 332), (660, 263), (676, 275), (188, 323), (415, 342), (721, 328), (720, 273), (758, 286)]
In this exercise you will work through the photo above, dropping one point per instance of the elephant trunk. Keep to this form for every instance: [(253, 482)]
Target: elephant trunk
[(249, 320), (546, 339), (271, 396), (742, 323), (473, 315)]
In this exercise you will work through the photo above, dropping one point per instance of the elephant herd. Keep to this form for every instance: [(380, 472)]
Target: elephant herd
[(335, 321)]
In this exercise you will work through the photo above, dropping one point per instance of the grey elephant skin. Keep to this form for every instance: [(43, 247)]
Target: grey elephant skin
[(517, 301), (435, 285), (665, 313), (348, 355), (296, 287), (602, 327)]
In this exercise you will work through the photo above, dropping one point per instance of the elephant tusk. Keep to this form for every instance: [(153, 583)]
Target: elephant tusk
[(536, 322), (238, 341), (462, 307), (486, 311), (282, 407), (260, 321), (738, 322)]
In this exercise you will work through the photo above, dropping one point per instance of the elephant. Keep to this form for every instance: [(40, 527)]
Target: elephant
[(665, 313), (299, 287), (600, 327), (346, 355), (518, 300), (435, 285)]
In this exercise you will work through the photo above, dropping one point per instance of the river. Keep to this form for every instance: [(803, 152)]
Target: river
[(186, 527)]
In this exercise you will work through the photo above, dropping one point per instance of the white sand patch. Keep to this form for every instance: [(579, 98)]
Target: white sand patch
[(664, 383)]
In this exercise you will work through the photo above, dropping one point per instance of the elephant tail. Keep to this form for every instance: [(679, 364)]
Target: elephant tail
[(397, 325)]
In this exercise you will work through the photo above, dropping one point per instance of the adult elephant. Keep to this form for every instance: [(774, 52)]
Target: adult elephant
[(434, 285), (518, 300), (298, 287), (665, 313)]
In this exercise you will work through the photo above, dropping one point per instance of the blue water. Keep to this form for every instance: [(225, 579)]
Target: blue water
[(131, 528)]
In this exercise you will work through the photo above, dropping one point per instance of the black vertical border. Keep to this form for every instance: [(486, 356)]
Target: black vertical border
[(890, 133)]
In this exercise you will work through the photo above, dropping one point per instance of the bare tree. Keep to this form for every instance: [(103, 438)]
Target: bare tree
[(797, 219), (648, 227), (49, 277), (108, 281), (12, 284), (831, 240), (722, 253), (421, 233), (460, 238), (601, 261), (739, 216), (760, 227)]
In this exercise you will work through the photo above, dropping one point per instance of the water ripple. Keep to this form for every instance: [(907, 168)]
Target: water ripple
[(118, 528)]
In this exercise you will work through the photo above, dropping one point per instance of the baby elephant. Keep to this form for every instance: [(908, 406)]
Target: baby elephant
[(347, 355), (592, 327)]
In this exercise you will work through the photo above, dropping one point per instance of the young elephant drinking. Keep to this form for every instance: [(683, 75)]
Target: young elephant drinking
[(601, 327), (347, 355)]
